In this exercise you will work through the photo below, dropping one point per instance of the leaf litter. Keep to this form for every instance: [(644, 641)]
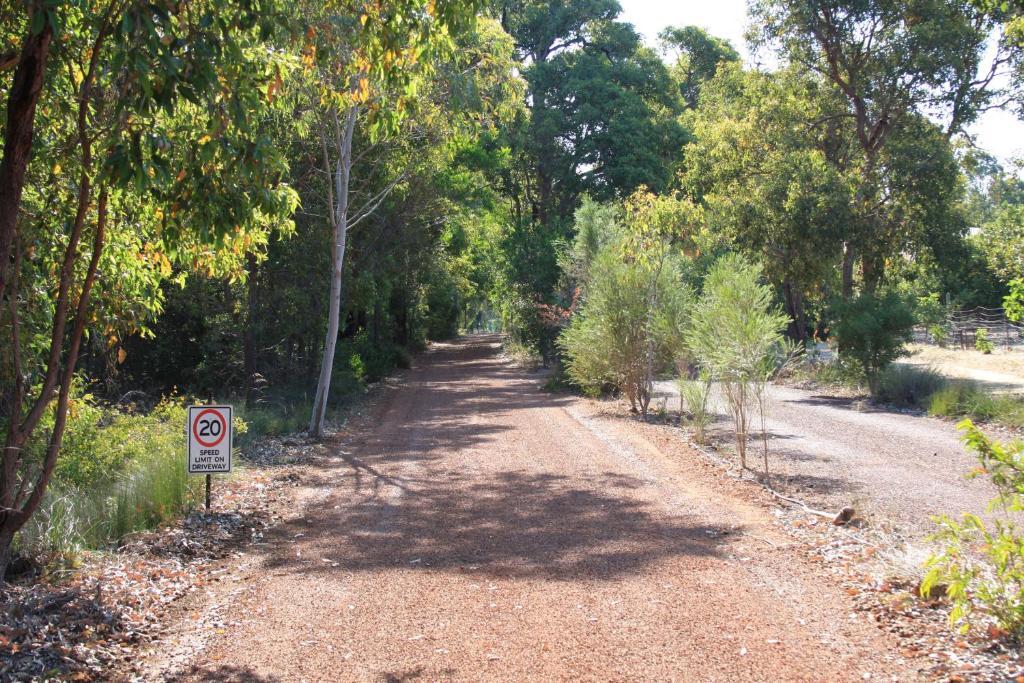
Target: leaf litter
[(88, 624)]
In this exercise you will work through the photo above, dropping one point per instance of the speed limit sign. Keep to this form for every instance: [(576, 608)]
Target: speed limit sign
[(209, 439)]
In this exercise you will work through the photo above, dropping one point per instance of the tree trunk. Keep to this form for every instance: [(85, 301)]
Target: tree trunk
[(848, 258), (22, 98), (343, 169), (795, 310), (872, 268), (249, 350), (7, 529)]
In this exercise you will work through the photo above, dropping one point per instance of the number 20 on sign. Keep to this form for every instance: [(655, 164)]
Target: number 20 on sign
[(209, 439)]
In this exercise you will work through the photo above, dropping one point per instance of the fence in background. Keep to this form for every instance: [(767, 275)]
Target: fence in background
[(961, 326)]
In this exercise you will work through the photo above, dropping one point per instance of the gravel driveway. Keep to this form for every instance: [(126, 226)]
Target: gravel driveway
[(479, 529), (893, 467)]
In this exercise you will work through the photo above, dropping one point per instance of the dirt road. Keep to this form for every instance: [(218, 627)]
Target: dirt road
[(480, 529), (893, 467)]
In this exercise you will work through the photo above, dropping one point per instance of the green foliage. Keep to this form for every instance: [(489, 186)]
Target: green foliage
[(735, 337), (694, 395), (963, 399), (907, 386), (1002, 239), (871, 331), (982, 342), (982, 565), (596, 225), (608, 341), (929, 310), (699, 56), (129, 475), (1013, 303), (939, 334)]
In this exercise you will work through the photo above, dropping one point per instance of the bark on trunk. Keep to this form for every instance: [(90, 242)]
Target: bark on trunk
[(250, 331), (848, 258), (6, 541), (22, 98), (343, 169), (795, 310), (871, 269)]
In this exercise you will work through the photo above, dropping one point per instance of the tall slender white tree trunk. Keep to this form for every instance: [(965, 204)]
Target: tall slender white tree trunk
[(338, 199)]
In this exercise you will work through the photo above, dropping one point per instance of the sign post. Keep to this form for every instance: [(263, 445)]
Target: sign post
[(210, 438)]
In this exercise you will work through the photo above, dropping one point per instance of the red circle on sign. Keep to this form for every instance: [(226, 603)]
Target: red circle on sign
[(223, 427)]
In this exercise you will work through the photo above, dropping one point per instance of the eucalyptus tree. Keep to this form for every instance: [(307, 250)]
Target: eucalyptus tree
[(698, 56), (131, 146), (369, 60), (889, 60), (603, 122), (761, 166)]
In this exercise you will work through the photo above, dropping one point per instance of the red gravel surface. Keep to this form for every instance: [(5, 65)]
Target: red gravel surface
[(480, 529)]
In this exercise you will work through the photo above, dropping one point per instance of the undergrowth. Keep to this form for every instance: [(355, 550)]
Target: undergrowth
[(122, 471), (908, 386)]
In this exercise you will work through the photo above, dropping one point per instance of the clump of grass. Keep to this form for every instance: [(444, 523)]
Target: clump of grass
[(832, 374), (272, 419), (695, 394), (144, 482), (907, 386), (120, 472), (962, 399)]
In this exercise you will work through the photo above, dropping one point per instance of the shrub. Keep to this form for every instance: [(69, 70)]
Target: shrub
[(907, 386), (982, 567), (982, 342), (929, 311), (148, 486), (872, 331), (610, 339), (735, 335), (939, 334), (1013, 303)]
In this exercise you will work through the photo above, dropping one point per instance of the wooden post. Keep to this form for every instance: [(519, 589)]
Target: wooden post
[(209, 477)]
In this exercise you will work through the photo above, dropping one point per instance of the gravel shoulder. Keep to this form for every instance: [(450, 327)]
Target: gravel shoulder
[(897, 469), (472, 527)]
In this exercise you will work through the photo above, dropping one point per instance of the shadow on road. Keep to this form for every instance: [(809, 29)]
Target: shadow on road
[(405, 501)]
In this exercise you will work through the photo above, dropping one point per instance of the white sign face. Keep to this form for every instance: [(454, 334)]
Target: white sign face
[(209, 439)]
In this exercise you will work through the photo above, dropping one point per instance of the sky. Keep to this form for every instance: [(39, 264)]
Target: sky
[(998, 132)]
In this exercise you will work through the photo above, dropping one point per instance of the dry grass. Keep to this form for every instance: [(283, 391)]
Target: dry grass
[(999, 367)]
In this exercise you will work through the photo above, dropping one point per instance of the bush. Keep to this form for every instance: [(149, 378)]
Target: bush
[(735, 336), (939, 334), (982, 342), (608, 340), (872, 331), (143, 483), (982, 567), (694, 395), (907, 386)]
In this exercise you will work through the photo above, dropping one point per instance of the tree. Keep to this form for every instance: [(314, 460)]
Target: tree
[(370, 60), (1003, 241), (603, 121), (760, 164), (871, 331), (699, 55), (890, 61), (151, 156)]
